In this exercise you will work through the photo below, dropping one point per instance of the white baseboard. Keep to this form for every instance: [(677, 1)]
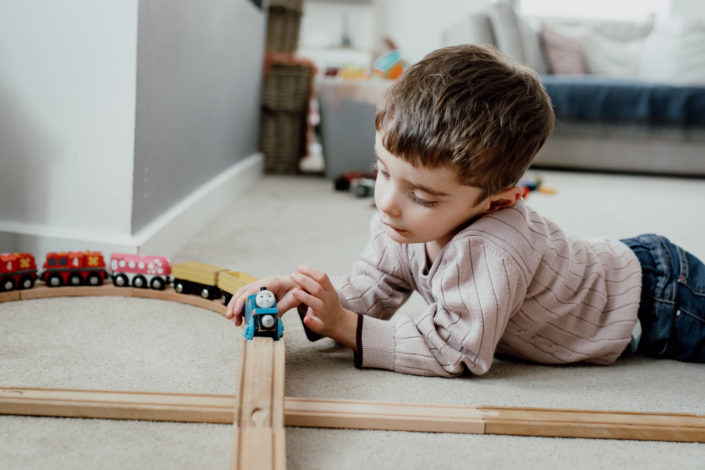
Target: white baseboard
[(169, 232), (164, 236)]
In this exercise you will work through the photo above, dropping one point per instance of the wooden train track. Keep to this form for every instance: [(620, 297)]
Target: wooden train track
[(259, 410)]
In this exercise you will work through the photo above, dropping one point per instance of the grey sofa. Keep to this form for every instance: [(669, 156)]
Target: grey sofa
[(615, 139)]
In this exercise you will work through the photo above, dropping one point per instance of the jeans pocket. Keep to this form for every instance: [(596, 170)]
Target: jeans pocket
[(689, 343)]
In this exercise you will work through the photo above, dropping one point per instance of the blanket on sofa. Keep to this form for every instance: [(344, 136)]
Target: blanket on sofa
[(590, 98)]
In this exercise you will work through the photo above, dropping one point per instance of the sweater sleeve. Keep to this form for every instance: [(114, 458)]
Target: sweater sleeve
[(379, 283), (474, 292)]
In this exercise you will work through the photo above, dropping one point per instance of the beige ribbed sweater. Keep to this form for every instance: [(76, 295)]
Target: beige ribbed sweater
[(512, 282)]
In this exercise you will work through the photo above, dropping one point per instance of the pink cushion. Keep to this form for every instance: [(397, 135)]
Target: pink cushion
[(564, 54)]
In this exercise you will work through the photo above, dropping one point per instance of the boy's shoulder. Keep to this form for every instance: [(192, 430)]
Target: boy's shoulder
[(507, 222), (512, 229)]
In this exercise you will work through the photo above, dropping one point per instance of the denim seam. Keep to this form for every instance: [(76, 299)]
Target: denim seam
[(702, 320), (659, 256)]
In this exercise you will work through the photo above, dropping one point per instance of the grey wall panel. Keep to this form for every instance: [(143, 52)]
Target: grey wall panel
[(199, 69)]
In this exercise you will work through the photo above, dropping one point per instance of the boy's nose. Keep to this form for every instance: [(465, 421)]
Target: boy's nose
[(387, 202)]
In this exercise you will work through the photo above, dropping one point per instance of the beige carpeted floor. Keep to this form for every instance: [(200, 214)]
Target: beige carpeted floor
[(150, 345)]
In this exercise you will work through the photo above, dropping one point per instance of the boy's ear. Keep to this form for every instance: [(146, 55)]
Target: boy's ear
[(505, 198)]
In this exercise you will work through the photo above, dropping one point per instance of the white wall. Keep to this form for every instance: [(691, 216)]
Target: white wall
[(67, 108), (417, 26), (125, 125)]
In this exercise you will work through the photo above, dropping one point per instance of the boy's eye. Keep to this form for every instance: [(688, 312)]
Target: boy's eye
[(421, 201)]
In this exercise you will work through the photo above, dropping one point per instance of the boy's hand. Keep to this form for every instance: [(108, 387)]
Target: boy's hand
[(325, 315), (281, 287)]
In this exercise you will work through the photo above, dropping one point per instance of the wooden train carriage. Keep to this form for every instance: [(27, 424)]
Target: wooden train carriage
[(17, 271), (140, 271), (197, 279), (230, 281), (74, 268)]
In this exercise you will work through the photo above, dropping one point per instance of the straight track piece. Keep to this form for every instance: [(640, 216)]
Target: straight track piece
[(190, 408), (347, 414), (258, 441)]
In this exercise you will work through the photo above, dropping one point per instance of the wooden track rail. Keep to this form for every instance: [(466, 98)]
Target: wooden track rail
[(108, 289), (347, 414), (259, 441), (259, 411)]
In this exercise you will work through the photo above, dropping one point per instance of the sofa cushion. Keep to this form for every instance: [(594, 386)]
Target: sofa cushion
[(613, 57), (674, 53), (563, 53)]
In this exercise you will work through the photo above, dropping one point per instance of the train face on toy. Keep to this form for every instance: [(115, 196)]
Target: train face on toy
[(17, 271), (140, 271), (74, 268), (262, 316)]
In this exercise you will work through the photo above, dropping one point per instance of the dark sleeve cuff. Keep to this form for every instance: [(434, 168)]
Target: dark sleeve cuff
[(358, 343)]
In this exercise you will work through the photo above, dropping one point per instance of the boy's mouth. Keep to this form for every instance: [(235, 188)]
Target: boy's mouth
[(398, 230)]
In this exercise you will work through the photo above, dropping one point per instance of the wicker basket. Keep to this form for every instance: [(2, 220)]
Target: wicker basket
[(282, 140), (283, 29), (286, 87), (296, 5)]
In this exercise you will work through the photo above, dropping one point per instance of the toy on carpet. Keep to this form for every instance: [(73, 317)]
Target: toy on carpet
[(17, 270), (530, 184), (74, 268), (140, 271), (261, 316), (361, 183)]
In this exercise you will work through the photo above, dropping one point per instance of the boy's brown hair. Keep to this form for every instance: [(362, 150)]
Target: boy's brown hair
[(467, 107)]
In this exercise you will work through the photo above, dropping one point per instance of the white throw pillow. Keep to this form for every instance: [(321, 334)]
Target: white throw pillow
[(613, 57), (675, 53)]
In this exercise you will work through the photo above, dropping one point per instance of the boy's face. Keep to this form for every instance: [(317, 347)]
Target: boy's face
[(421, 205)]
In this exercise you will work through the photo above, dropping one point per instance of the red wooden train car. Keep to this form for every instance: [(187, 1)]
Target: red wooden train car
[(74, 268), (17, 271)]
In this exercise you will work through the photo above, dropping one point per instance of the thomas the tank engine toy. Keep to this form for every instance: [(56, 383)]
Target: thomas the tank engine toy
[(262, 316)]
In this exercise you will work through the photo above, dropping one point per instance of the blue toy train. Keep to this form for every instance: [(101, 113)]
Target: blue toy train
[(262, 316)]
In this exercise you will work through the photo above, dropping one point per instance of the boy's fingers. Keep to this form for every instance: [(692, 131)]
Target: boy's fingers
[(317, 275), (314, 303), (287, 302), (313, 322), (307, 283)]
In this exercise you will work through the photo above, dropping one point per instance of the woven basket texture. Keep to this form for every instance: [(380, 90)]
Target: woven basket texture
[(283, 30), (296, 5), (282, 140), (286, 87)]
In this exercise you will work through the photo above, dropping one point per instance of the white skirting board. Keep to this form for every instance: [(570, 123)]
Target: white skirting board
[(164, 236)]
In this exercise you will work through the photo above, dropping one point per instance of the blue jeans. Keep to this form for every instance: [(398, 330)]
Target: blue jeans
[(672, 308)]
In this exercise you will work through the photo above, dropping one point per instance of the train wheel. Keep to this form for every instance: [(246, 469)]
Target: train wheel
[(206, 293), (139, 281), (8, 284), (54, 280), (75, 279), (120, 280), (179, 287), (94, 279), (26, 282), (157, 283)]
